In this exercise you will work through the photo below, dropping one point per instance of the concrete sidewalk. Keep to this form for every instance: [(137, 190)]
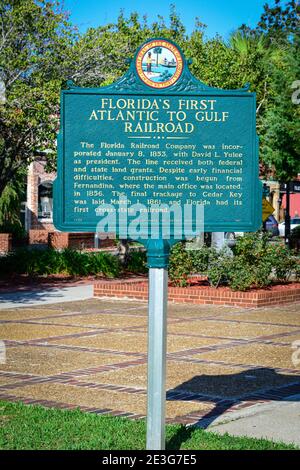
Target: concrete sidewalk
[(276, 421), (45, 296)]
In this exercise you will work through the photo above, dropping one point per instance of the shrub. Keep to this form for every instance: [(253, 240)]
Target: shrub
[(252, 263), (251, 246), (21, 261), (283, 261), (255, 263), (10, 207), (105, 264), (137, 262), (180, 266), (297, 269), (296, 232), (48, 262), (68, 261), (295, 237), (218, 267), (200, 259), (75, 263), (240, 277)]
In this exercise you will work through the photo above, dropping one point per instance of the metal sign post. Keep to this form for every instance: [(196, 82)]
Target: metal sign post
[(157, 337), (158, 260)]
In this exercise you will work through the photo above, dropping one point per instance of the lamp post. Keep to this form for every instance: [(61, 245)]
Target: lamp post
[(265, 193), (287, 229)]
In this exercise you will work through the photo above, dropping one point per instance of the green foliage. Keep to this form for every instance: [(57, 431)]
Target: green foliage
[(75, 262), (218, 264), (200, 259), (295, 238), (180, 266), (105, 264), (9, 212), (295, 233), (264, 259), (28, 427), (69, 262), (240, 277), (137, 262), (297, 269), (283, 261), (33, 43), (40, 49), (10, 207), (279, 21), (251, 247), (258, 263), (280, 131), (252, 263), (208, 261), (100, 56), (255, 262), (239, 271)]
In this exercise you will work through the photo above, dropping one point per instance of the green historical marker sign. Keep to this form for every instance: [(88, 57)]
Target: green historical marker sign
[(158, 156), (157, 137)]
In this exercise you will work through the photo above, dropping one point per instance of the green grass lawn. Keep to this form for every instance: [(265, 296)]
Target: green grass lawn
[(35, 427)]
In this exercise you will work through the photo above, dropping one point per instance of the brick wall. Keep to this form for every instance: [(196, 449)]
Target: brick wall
[(5, 242), (80, 241), (58, 240), (36, 237), (257, 298)]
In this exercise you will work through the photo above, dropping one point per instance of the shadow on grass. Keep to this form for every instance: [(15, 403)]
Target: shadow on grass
[(180, 437)]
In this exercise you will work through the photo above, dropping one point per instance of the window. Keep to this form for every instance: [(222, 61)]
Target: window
[(45, 201)]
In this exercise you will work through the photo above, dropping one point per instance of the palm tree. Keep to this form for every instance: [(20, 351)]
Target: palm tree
[(157, 51), (243, 43)]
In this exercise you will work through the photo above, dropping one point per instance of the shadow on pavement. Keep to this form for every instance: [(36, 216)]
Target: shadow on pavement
[(226, 391), (43, 296)]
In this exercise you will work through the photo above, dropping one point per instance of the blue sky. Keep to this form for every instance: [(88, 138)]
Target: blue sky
[(220, 16)]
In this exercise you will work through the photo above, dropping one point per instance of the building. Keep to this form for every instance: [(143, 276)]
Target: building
[(39, 214)]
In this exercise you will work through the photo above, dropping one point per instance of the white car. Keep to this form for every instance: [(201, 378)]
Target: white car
[(294, 223)]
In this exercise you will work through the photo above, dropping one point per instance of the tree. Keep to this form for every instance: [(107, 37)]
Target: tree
[(39, 51), (100, 56), (279, 21), (230, 64), (34, 40), (280, 135), (280, 122), (280, 130), (281, 125), (10, 207)]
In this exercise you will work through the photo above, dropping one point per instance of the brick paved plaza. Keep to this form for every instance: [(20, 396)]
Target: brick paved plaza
[(92, 354)]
